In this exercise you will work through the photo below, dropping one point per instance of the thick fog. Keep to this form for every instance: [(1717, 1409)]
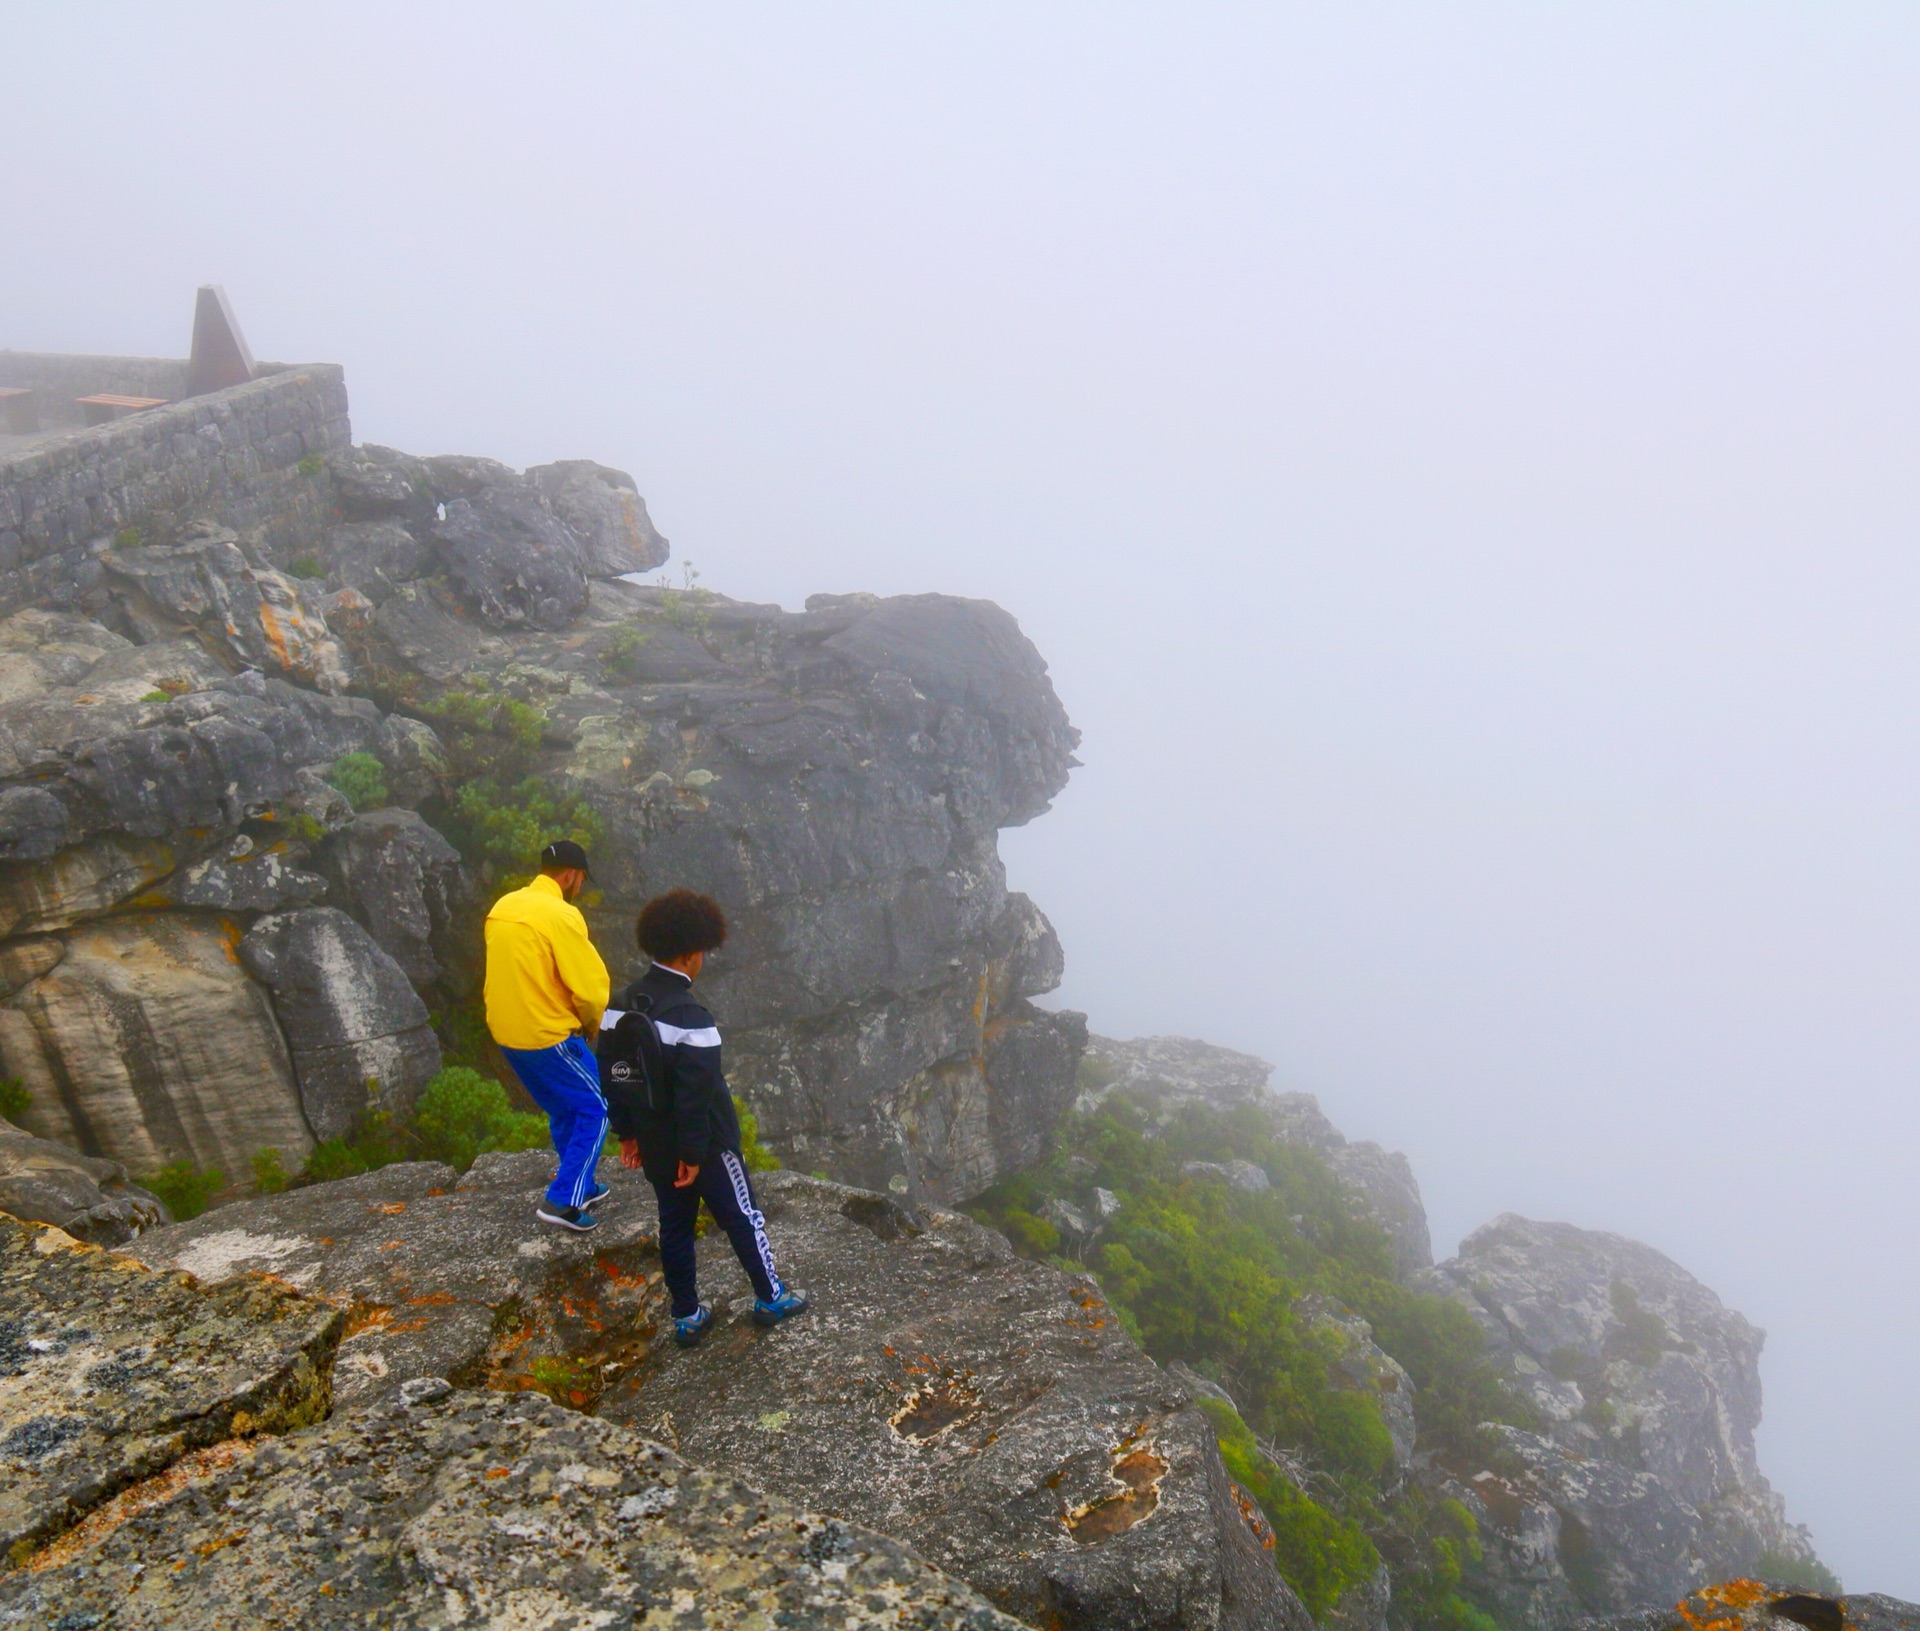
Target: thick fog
[(1459, 461)]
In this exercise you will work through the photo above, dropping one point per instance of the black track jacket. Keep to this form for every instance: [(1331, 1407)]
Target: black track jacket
[(696, 1120)]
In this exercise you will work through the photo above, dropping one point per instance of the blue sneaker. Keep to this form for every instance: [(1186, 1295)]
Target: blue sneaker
[(783, 1307), (600, 1193), (688, 1332), (576, 1218)]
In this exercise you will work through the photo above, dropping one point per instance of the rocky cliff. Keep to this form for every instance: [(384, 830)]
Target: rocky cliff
[(1616, 1471), (208, 949)]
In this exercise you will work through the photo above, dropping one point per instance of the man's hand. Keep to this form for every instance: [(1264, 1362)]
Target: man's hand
[(683, 1175), (630, 1154)]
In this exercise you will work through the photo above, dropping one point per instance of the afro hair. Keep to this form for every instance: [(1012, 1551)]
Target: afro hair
[(680, 922)]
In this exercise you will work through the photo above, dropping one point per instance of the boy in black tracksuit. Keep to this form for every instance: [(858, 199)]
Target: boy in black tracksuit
[(682, 1129)]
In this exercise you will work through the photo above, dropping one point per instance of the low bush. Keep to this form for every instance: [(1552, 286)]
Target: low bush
[(185, 1188), (362, 779), (269, 1177), (16, 1098)]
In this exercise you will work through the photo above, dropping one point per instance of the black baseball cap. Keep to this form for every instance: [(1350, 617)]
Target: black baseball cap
[(564, 853)]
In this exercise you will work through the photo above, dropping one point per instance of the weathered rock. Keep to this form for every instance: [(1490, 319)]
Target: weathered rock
[(374, 558), (249, 614), (92, 1200), (146, 1043), (1176, 1070), (1750, 1605), (87, 880), (110, 1373), (447, 1275), (403, 882), (374, 483), (241, 877), (356, 1028), (475, 1509), (988, 1410), (605, 511), (1649, 1390), (511, 561)]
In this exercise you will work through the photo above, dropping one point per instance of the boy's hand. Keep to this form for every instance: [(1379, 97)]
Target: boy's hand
[(685, 1174), (630, 1154)]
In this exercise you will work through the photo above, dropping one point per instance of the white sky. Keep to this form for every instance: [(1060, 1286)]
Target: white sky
[(1458, 460)]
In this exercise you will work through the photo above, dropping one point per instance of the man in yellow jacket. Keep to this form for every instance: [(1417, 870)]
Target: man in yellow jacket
[(546, 992)]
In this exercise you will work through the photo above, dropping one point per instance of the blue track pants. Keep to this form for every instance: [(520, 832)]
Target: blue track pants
[(565, 1082), (723, 1185)]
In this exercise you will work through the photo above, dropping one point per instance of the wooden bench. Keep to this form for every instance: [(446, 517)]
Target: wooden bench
[(105, 408), (23, 413)]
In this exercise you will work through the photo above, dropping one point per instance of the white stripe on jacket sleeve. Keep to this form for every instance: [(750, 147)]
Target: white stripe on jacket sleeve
[(673, 1036)]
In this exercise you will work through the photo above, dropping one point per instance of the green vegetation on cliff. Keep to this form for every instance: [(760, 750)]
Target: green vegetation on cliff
[(1213, 1276)]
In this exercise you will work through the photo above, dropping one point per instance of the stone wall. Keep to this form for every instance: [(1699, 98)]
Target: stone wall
[(231, 456)]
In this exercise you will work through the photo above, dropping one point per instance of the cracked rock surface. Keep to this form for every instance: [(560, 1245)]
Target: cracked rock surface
[(990, 1411), (109, 1373), (441, 1508)]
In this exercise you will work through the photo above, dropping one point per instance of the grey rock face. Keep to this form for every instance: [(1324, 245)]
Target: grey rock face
[(513, 563), (142, 1041), (403, 882), (1650, 1390), (478, 1509), (1176, 1070), (373, 483), (605, 511), (989, 1411), (357, 1030), (44, 1182), (374, 557), (109, 1374)]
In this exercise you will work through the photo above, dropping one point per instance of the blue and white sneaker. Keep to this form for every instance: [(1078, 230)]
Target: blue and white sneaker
[(688, 1332), (576, 1218), (783, 1307), (600, 1193)]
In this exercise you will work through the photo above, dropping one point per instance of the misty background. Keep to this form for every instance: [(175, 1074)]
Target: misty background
[(1459, 462)]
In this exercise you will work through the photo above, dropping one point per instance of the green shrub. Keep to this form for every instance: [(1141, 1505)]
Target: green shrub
[(16, 1098), (128, 538), (1322, 1556), (311, 464), (463, 1114), (756, 1155), (307, 566), (185, 1188), (1778, 1570), (361, 778), (333, 1158), (623, 647), (156, 696), (269, 1177)]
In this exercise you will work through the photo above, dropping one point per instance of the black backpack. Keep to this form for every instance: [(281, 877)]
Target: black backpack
[(632, 1066)]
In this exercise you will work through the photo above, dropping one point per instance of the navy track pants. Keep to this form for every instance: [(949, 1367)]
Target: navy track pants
[(565, 1082), (723, 1185)]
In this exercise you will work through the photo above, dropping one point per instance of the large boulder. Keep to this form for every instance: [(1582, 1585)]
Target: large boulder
[(443, 1508), (92, 1200), (250, 614), (110, 1373), (605, 511), (511, 561), (1753, 1605), (355, 1026), (404, 883), (141, 1040), (1648, 1391), (990, 1411)]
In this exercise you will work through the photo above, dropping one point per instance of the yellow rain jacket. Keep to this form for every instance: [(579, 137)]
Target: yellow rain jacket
[(544, 979)]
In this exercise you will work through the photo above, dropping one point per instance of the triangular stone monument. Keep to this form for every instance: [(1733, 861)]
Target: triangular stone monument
[(220, 355)]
